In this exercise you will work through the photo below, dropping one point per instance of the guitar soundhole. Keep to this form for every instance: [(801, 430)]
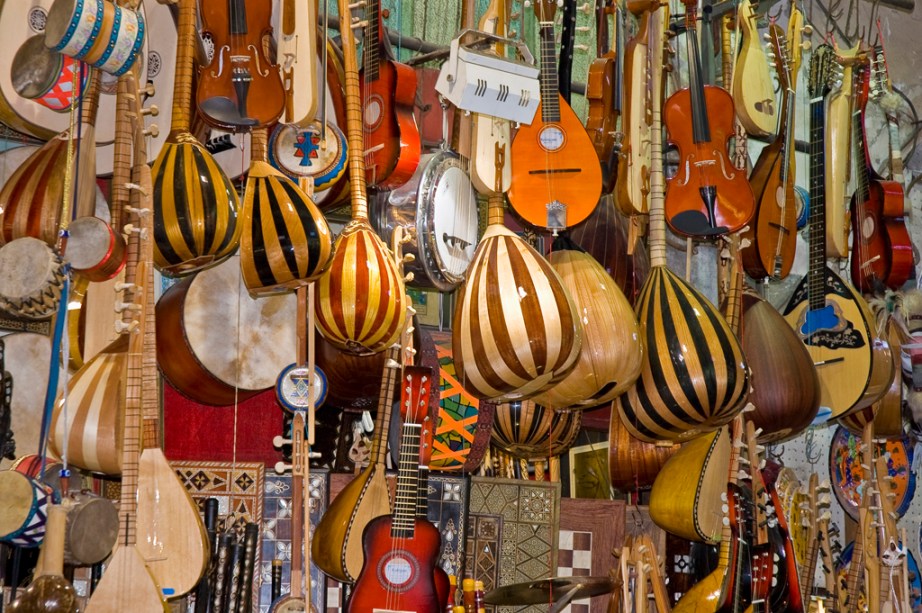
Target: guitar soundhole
[(373, 112), (867, 227), (398, 570), (551, 138)]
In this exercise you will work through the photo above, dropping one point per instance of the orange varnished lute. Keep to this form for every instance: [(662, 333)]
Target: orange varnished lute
[(633, 464), (361, 298)]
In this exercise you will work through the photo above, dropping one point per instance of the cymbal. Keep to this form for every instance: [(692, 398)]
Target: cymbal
[(544, 591)]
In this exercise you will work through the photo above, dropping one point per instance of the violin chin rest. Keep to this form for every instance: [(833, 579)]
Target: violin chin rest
[(224, 110), (695, 223)]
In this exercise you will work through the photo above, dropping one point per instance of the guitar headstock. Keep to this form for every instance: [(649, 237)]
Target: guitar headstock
[(825, 72), (880, 85), (545, 10)]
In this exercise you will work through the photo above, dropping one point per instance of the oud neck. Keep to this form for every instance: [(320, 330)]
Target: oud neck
[(406, 498), (385, 405), (354, 123), (550, 84), (657, 197), (816, 287)]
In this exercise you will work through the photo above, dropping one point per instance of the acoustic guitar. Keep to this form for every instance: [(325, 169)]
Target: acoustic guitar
[(831, 318), (388, 92), (774, 229), (881, 247), (240, 89), (708, 196), (401, 549), (556, 178), (752, 88)]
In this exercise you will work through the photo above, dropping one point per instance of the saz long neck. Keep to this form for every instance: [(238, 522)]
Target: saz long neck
[(385, 405)]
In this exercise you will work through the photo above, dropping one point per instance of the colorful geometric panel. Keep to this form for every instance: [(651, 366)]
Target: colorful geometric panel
[(512, 533), (276, 534), (447, 510)]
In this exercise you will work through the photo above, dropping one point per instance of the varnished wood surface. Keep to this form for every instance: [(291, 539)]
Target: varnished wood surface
[(685, 499), (785, 388), (611, 355), (531, 431), (633, 464), (753, 88)]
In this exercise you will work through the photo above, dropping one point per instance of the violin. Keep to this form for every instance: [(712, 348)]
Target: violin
[(881, 248), (708, 196), (239, 67), (604, 89)]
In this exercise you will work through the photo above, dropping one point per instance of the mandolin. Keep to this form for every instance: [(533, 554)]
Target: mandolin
[(831, 318), (752, 88), (401, 549), (708, 196), (633, 183), (604, 90), (556, 178), (388, 92), (239, 29), (881, 247), (774, 229)]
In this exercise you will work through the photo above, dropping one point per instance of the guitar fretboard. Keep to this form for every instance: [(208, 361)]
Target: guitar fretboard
[(406, 497), (371, 40), (816, 283)]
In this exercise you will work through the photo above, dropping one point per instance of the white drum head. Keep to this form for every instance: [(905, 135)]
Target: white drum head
[(455, 221)]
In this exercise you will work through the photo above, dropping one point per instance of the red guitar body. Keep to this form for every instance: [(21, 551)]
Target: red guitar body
[(391, 134), (882, 251), (399, 571)]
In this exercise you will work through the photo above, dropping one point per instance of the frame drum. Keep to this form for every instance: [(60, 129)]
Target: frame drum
[(440, 203), (45, 76), (22, 509), (94, 249), (92, 529), (221, 343), (28, 356), (31, 278)]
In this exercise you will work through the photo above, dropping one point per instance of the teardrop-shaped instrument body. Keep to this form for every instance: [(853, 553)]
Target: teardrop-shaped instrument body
[(694, 377), (515, 330), (633, 464)]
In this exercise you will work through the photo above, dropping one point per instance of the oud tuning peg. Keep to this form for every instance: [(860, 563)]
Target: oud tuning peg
[(121, 327), (148, 90), (131, 229), (153, 110)]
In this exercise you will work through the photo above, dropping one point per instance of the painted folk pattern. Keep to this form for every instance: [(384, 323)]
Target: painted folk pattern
[(694, 377), (515, 330), (286, 241), (195, 209)]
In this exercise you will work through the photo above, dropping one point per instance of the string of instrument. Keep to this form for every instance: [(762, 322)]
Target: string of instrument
[(589, 314)]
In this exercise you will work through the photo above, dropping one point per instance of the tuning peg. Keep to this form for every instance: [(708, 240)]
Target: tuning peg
[(527, 4), (807, 30), (131, 229), (121, 327), (581, 48), (135, 186), (153, 130), (153, 110), (584, 8), (126, 306), (806, 45), (355, 5), (766, 37), (121, 287), (583, 28), (282, 467), (141, 213), (148, 90)]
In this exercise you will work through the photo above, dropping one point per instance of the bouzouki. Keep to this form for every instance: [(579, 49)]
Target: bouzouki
[(774, 229), (881, 247), (239, 67), (388, 92), (830, 317), (401, 549), (708, 196), (556, 178)]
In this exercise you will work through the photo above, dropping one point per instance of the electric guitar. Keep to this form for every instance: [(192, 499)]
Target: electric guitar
[(556, 177), (388, 91), (401, 549), (831, 318)]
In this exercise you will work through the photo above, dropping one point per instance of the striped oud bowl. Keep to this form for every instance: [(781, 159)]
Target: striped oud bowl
[(694, 377)]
